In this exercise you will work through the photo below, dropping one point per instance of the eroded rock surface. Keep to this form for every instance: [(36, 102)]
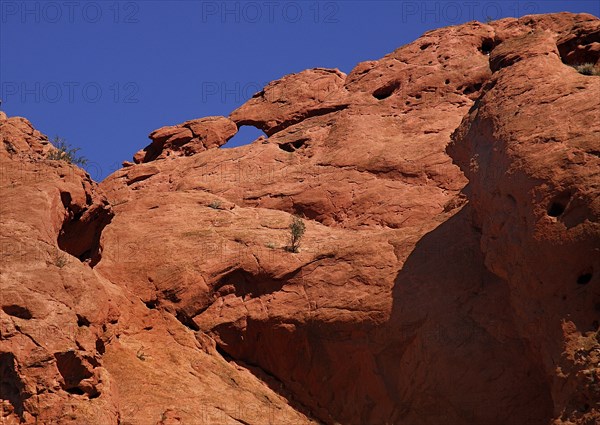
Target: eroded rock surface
[(448, 274)]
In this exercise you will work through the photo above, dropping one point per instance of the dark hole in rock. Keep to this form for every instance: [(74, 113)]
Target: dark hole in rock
[(75, 390), (151, 304), (386, 90), (595, 325), (447, 81), (187, 320), (584, 278), (11, 386), (17, 311), (81, 231), (100, 346), (487, 46), (425, 45), (580, 49), (247, 285), (418, 96), (82, 321), (472, 88), (65, 197), (293, 146), (556, 209), (72, 369)]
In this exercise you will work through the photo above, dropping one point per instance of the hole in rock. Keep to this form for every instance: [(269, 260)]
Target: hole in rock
[(580, 49), (556, 209), (82, 228), (185, 319), (72, 369), (247, 285), (447, 81), (82, 321), (246, 134), (100, 346), (584, 278), (425, 45), (11, 385), (487, 45), (472, 88), (151, 304), (293, 146), (17, 311), (386, 90)]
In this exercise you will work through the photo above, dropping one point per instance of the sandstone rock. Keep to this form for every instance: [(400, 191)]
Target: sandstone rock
[(448, 273), (188, 138)]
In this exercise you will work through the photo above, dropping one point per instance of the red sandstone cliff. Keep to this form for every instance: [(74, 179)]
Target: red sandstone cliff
[(449, 273)]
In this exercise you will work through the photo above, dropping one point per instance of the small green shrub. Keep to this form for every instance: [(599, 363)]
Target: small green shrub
[(587, 69), (65, 152), (270, 245), (297, 228), (215, 205), (60, 259)]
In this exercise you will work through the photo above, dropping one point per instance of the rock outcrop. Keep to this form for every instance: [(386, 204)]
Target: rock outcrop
[(448, 274)]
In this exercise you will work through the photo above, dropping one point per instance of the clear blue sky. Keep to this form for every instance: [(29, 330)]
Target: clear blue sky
[(103, 74)]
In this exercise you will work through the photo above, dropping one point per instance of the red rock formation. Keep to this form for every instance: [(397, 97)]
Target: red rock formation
[(448, 273)]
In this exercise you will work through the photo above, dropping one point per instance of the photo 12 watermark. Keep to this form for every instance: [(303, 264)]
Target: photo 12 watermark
[(456, 12), (270, 12), (69, 12), (69, 92)]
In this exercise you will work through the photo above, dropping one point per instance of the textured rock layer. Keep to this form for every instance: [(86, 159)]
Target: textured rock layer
[(449, 272)]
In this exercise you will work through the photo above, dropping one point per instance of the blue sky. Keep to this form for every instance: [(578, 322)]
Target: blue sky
[(104, 74)]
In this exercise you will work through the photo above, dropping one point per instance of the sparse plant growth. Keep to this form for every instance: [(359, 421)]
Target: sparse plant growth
[(215, 205), (297, 228), (60, 260), (270, 245), (587, 69), (65, 152)]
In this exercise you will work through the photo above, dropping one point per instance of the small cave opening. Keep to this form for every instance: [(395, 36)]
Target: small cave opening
[(487, 45), (17, 311), (559, 204), (73, 370), (584, 278), (100, 346), (556, 209), (246, 134), (152, 304), (82, 321), (247, 285), (293, 146), (11, 386), (579, 50), (386, 90), (187, 320), (82, 228)]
